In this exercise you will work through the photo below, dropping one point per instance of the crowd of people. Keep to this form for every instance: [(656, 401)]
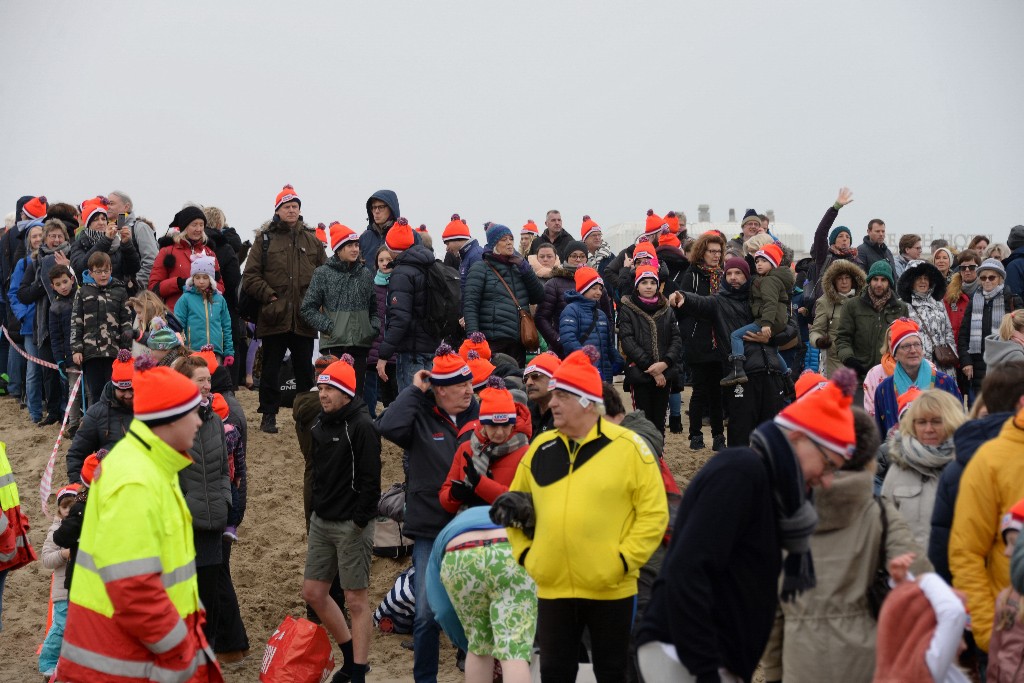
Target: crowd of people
[(865, 407)]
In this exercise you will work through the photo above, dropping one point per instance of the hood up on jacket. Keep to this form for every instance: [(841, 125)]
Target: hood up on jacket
[(832, 273), (999, 351), (915, 269), (388, 197)]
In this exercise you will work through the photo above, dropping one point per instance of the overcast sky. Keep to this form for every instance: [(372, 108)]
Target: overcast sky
[(500, 111)]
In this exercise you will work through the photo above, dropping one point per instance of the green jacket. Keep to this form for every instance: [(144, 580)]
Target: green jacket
[(342, 304), (769, 298), (862, 328)]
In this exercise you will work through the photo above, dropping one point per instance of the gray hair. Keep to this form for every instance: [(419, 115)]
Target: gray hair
[(123, 196), (9, 220)]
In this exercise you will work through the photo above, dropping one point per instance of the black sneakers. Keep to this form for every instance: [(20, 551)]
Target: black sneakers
[(269, 423)]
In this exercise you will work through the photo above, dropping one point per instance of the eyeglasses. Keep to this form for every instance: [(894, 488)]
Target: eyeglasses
[(99, 271), (830, 467), (378, 207), (535, 376), (968, 267), (913, 346), (988, 278)]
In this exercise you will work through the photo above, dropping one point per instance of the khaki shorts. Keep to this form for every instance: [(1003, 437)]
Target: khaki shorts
[(339, 548)]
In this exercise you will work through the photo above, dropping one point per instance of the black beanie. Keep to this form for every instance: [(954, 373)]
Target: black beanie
[(186, 216), (575, 245), (1016, 239)]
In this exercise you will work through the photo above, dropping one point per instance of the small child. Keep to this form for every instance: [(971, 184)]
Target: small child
[(56, 558), (769, 302), (583, 323), (148, 306), (1006, 647), (101, 324), (64, 290), (203, 312), (651, 344)]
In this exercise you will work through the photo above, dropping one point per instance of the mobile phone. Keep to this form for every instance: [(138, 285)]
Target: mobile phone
[(122, 220)]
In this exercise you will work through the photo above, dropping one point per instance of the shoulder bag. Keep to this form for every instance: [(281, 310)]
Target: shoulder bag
[(528, 336)]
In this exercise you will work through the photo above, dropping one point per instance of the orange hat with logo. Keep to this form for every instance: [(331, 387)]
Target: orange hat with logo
[(37, 207), (449, 368), (530, 228), (672, 221), (69, 490), (579, 375), (457, 229), (646, 272), (497, 407), (901, 330), (123, 370), (824, 415), (340, 235), (207, 354), (162, 395), (653, 223), (904, 400), (585, 278), (809, 381), (481, 369), (644, 250), (476, 341), (92, 207), (287, 194), (545, 363), (341, 375), (589, 226), (220, 406), (400, 237)]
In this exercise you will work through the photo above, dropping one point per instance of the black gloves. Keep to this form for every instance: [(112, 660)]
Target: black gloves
[(823, 342), (472, 476), (181, 283), (855, 364), (515, 509), (462, 491)]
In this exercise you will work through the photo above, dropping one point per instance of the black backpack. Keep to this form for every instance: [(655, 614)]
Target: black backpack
[(444, 301)]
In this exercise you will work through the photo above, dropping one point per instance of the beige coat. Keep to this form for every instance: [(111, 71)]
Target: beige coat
[(911, 492), (827, 633), (828, 307)]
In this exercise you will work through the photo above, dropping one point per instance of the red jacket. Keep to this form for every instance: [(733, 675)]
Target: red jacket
[(173, 262), (15, 549), (501, 471)]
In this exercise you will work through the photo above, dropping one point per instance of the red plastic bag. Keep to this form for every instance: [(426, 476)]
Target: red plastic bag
[(298, 652)]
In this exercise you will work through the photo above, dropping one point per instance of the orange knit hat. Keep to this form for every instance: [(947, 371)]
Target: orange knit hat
[(449, 368), (91, 466), (497, 407), (340, 235), (37, 208), (809, 381), (586, 277), (646, 271), (672, 221), (589, 225), (578, 375), (653, 223), (220, 406), (321, 233), (341, 375), (670, 240), (287, 194), (825, 415), (69, 490), (644, 250), (457, 229), (480, 368), (207, 354), (545, 363), (901, 330), (904, 400), (476, 341), (162, 395), (91, 207), (771, 252), (400, 237), (123, 370), (529, 228)]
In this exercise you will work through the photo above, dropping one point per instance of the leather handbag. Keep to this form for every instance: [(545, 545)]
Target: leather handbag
[(945, 356), (528, 335)]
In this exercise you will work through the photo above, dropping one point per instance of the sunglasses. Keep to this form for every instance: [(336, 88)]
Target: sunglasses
[(968, 267), (988, 278)]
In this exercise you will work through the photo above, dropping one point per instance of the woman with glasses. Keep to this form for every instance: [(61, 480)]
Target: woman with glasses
[(958, 294), (917, 453), (982, 317), (549, 312)]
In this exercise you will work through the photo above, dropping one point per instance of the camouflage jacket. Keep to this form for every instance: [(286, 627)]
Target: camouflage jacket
[(101, 321)]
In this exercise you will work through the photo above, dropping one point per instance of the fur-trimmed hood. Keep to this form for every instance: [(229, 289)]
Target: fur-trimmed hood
[(834, 270), (905, 285)]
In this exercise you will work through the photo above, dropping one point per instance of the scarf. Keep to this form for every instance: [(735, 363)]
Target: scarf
[(486, 453), (712, 274), (794, 513), (902, 381), (925, 460), (848, 253), (888, 364), (94, 235), (978, 302), (650, 301), (603, 252), (878, 302), (381, 279), (969, 288)]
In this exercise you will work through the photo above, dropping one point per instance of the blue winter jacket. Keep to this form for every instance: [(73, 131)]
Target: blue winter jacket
[(26, 313), (966, 441), (887, 412), (578, 317), (1015, 271), (372, 238), (470, 253), (205, 322)]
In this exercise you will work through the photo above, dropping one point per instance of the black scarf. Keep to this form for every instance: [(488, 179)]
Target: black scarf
[(794, 513)]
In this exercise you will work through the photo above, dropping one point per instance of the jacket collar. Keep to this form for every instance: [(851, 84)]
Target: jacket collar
[(167, 460)]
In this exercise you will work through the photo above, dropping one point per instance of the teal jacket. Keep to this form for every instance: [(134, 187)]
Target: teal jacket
[(205, 322), (342, 304)]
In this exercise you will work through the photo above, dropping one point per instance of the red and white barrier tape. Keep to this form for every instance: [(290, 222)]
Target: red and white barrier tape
[(37, 361), (47, 480)]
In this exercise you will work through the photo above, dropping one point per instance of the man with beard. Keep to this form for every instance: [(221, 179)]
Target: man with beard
[(537, 375), (106, 420), (864, 320)]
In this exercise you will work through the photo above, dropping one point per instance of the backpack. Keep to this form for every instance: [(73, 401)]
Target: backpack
[(388, 540), (444, 301), (249, 307)]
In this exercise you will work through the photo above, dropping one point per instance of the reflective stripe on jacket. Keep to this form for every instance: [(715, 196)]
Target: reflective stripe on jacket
[(15, 548)]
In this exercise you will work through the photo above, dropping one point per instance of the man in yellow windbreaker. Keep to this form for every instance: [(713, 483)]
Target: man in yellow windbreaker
[(134, 611), (601, 511)]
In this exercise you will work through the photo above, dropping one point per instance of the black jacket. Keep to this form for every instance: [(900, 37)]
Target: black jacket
[(560, 243), (988, 326), (59, 324), (226, 244), (730, 310), (67, 536), (404, 329), (36, 288), (647, 337), (429, 439), (868, 253), (105, 422), (346, 465), (124, 262), (700, 345), (541, 422)]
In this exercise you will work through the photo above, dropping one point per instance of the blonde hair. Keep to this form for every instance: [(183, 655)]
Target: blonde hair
[(934, 402), (1012, 322), (214, 217), (756, 242), (997, 251), (151, 305)]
